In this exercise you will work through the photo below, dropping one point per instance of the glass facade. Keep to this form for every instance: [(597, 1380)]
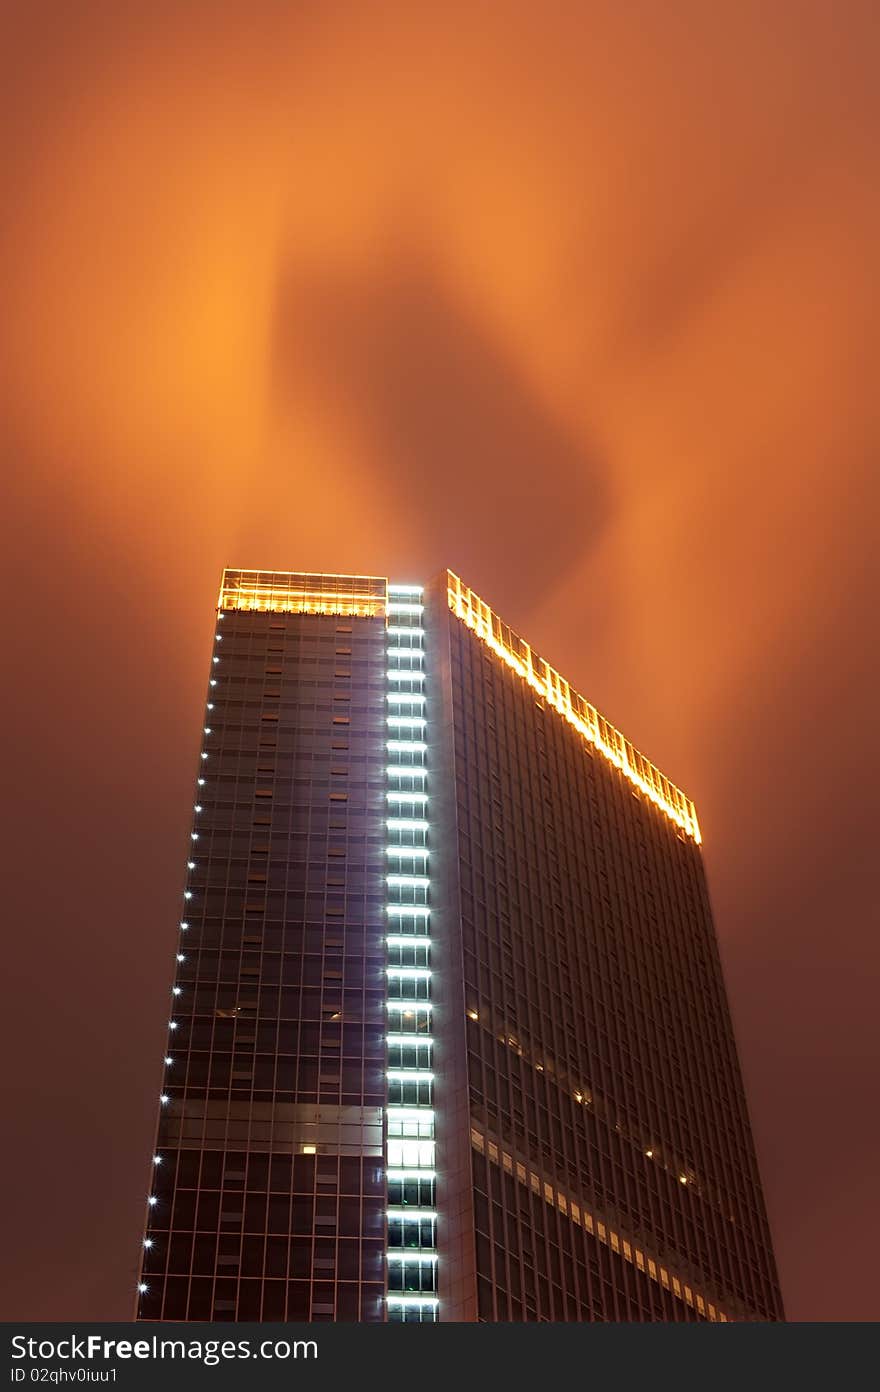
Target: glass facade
[(609, 1171), (448, 1036), (412, 1216), (268, 1197)]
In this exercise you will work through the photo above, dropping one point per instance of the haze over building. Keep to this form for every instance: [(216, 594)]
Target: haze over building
[(448, 1036)]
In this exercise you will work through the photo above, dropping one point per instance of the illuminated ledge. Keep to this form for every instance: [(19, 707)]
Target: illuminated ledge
[(555, 690), (297, 592), (576, 1211)]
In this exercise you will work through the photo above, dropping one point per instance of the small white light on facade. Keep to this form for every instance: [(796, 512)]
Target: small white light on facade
[(201, 782), (152, 1201), (142, 1287), (164, 1098), (168, 1060), (650, 1154), (308, 1150), (204, 756), (194, 836), (187, 894), (682, 1179), (190, 865), (148, 1242), (213, 681), (175, 990), (472, 1015), (219, 637), (210, 705), (157, 1159), (172, 1024), (184, 925), (207, 729), (180, 957), (216, 659), (197, 807)]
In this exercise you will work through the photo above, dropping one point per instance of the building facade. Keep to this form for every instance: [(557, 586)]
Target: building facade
[(448, 1035)]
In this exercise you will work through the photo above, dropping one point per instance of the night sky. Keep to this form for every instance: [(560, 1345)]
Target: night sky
[(578, 299)]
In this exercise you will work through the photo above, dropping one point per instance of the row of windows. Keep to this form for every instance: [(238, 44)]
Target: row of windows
[(203, 1298), (281, 1173)]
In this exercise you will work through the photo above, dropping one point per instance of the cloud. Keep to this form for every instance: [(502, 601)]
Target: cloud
[(579, 299)]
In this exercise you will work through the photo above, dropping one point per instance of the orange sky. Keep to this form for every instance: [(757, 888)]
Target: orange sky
[(579, 299)]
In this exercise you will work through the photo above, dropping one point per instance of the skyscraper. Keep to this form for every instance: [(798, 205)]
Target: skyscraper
[(448, 1036)]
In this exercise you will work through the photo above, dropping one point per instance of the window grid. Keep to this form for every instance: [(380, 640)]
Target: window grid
[(411, 1256), (268, 1192)]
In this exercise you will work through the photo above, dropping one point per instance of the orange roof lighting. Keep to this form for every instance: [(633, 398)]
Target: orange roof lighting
[(297, 592), (555, 690)]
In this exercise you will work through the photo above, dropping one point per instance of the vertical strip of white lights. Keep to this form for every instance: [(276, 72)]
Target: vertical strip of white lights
[(412, 1214)]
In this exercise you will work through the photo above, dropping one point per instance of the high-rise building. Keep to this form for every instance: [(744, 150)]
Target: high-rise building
[(448, 1036)]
